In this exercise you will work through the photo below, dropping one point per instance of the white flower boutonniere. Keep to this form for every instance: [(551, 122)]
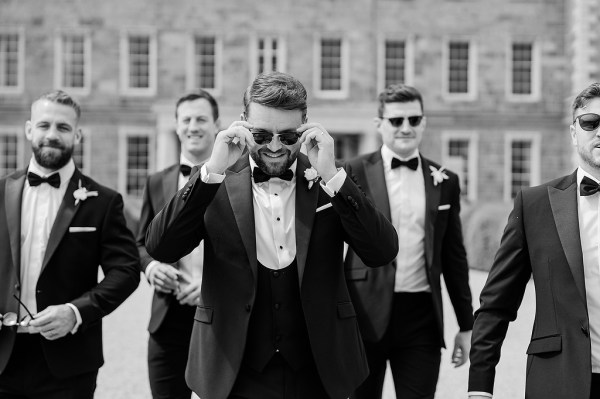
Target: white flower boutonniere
[(438, 175), (311, 176), (82, 193)]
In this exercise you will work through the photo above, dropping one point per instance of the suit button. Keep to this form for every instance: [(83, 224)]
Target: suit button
[(17, 287), (585, 331), (275, 274), (278, 338), (248, 307), (276, 306), (38, 291)]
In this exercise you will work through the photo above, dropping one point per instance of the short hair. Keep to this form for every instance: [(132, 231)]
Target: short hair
[(196, 96), (587, 95), (276, 90), (61, 97), (399, 93)]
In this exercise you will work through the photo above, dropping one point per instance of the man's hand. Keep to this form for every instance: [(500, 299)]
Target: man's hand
[(462, 347), (229, 146), (190, 295), (319, 148), (164, 278), (54, 322)]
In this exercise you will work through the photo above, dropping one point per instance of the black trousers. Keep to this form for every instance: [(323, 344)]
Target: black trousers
[(278, 381), (168, 353), (595, 392), (411, 344), (27, 375)]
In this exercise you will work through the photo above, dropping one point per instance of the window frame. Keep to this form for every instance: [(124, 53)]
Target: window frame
[(472, 75), (18, 89), (536, 63), (409, 59), (192, 67), (535, 139), (344, 68), (59, 66), (17, 131), (472, 163), (281, 53), (134, 131), (126, 89)]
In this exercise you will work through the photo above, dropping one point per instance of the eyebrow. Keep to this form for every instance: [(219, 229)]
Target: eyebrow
[(290, 131)]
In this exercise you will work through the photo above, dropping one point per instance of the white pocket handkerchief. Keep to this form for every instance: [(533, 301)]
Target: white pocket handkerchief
[(444, 207), (81, 229), (322, 208)]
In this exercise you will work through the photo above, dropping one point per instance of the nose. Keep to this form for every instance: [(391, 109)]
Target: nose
[(405, 126), (275, 144), (52, 132)]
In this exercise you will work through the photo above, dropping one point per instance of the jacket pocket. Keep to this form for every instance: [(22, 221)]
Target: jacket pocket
[(545, 345), (345, 310), (204, 315), (356, 274)]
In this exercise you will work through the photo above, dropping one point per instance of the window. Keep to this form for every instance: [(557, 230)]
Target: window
[(81, 153), (72, 62), (268, 54), (522, 162), (11, 62), (136, 160), (9, 152), (523, 72), (346, 145), (331, 79), (395, 59), (460, 156), (204, 70), (138, 68), (460, 70)]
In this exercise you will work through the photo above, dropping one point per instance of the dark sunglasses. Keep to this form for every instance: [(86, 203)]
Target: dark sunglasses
[(10, 319), (263, 137), (588, 122), (414, 121)]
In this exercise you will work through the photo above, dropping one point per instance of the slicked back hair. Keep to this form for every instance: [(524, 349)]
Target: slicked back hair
[(196, 96), (276, 90), (60, 97), (587, 95), (399, 93)]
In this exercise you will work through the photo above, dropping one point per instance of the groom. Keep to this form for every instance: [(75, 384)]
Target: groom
[(275, 317)]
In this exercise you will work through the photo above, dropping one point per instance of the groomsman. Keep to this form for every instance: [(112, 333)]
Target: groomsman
[(552, 234), (177, 285), (275, 318), (57, 226), (399, 306)]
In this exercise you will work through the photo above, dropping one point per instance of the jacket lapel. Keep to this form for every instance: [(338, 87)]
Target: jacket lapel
[(563, 201), (432, 201), (375, 180), (239, 191), (64, 216), (306, 203), (169, 184), (12, 205)]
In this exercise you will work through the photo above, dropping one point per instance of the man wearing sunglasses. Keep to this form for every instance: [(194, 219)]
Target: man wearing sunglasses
[(176, 286), (275, 318), (57, 226), (399, 306), (552, 234)]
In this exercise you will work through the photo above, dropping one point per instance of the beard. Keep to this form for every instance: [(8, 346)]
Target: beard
[(52, 156), (275, 168)]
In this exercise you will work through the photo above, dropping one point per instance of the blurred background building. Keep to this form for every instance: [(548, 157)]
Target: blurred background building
[(497, 77)]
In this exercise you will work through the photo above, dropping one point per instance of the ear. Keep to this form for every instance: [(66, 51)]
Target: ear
[(243, 116), (573, 131), (28, 127), (78, 136), (377, 121), (218, 125), (424, 123)]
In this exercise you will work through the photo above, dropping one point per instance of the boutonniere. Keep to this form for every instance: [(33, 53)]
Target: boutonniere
[(311, 176), (82, 193), (438, 175)]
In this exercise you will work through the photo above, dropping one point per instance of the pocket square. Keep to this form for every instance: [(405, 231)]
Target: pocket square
[(322, 208), (443, 207), (75, 229)]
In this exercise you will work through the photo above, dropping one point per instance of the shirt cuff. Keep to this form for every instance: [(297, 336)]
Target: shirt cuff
[(77, 316), (333, 186), (210, 178), (148, 272), (486, 394)]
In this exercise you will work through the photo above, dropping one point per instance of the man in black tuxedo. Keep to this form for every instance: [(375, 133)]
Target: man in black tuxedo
[(399, 306), (275, 318), (552, 234), (177, 285), (56, 227)]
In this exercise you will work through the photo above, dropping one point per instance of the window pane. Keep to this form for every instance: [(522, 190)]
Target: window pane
[(458, 67), (8, 154), (522, 66), (137, 164), (9, 60), (78, 155), (520, 165), (458, 150), (395, 59), (346, 145), (73, 61), (331, 64), (267, 55), (139, 62), (205, 61)]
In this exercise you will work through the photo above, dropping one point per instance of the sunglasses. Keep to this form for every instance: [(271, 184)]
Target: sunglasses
[(264, 137), (10, 319), (588, 122), (414, 121)]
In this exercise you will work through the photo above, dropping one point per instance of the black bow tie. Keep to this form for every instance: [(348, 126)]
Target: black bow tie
[(260, 176), (588, 187), (185, 170), (412, 163), (35, 180)]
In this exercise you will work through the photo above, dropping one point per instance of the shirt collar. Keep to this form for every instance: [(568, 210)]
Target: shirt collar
[(184, 161), (387, 155), (66, 172), (582, 173), (292, 167)]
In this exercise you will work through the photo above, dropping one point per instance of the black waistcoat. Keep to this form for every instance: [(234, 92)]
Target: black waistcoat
[(277, 321)]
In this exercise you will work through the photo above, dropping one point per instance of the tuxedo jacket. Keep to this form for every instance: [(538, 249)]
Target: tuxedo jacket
[(222, 215), (70, 269), (372, 290), (160, 187), (540, 238)]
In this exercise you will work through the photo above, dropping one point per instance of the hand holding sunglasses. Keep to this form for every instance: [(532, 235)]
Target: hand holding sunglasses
[(229, 146), (588, 122), (54, 322), (320, 148)]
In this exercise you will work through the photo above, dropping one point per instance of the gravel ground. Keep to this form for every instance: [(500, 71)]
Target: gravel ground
[(124, 375)]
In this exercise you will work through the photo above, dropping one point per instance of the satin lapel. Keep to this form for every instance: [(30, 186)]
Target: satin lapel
[(432, 201), (564, 210), (64, 216), (375, 181), (239, 191), (12, 205), (306, 203), (169, 185)]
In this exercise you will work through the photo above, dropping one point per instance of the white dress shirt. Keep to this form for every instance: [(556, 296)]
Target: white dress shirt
[(406, 194), (39, 207)]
